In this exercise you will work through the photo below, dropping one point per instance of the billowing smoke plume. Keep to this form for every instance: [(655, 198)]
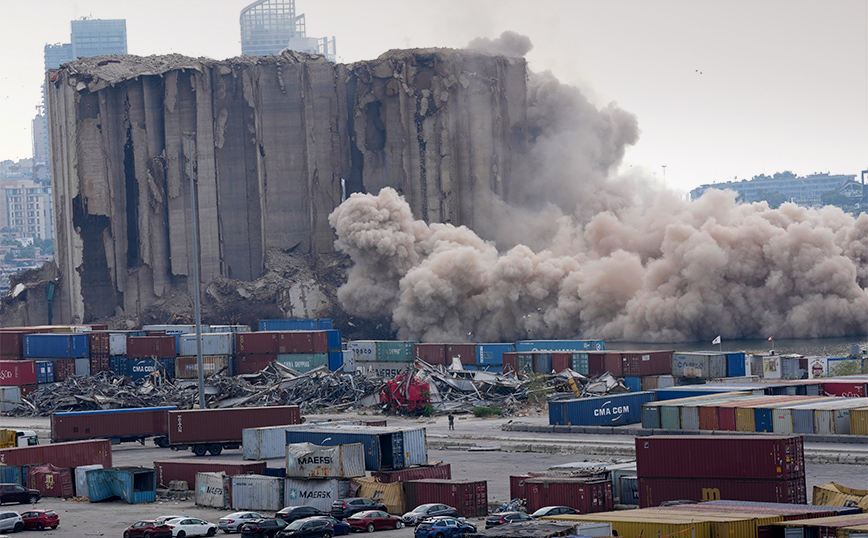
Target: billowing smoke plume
[(575, 255)]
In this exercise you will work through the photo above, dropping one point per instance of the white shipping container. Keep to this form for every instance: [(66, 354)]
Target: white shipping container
[(257, 492), (591, 528), (363, 350), (306, 460), (349, 362), (212, 489), (9, 398), (386, 370), (117, 344), (81, 479), (264, 443), (212, 344), (230, 329), (771, 367), (82, 367), (415, 447), (174, 329), (317, 493)]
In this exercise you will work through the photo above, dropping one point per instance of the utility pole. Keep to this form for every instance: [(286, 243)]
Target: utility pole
[(196, 276), (664, 172)]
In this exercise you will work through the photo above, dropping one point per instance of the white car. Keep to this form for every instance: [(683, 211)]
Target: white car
[(163, 519), (191, 526), (233, 521), (11, 521)]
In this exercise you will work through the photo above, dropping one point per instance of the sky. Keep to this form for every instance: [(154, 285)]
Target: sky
[(722, 89)]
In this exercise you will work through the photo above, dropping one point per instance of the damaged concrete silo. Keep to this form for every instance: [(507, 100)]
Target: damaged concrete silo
[(274, 137)]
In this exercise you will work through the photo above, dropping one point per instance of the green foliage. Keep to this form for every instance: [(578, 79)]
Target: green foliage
[(12, 242), (774, 198), (487, 411), (427, 410), (845, 367), (837, 199), (538, 389)]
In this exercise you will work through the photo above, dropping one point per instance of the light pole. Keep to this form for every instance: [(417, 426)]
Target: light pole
[(196, 277)]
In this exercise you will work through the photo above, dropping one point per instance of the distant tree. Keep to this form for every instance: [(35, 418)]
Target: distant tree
[(774, 198), (786, 174), (837, 199), (761, 176), (28, 252), (13, 242)]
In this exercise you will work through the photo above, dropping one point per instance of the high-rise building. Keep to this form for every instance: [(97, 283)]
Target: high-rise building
[(28, 212), (270, 26)]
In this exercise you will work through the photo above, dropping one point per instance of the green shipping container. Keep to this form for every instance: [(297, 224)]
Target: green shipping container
[(525, 362), (390, 351), (580, 363), (303, 362)]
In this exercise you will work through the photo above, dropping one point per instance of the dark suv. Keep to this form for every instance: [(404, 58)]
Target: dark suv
[(343, 508), (15, 493), (291, 513)]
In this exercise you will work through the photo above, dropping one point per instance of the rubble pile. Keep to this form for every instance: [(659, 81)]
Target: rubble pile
[(450, 390)]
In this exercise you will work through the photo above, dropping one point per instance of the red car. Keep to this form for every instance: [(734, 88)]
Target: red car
[(371, 520), (40, 519), (148, 529)]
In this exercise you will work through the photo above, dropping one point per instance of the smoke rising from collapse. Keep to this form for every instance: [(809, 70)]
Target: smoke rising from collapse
[(619, 259)]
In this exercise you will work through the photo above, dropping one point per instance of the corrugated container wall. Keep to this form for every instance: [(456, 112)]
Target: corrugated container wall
[(492, 354), (303, 342), (559, 345), (582, 494), (51, 481), (81, 479), (56, 346), (214, 490), (468, 497), (142, 347), (389, 351), (72, 454), (317, 493), (111, 423), (142, 368), (12, 344), (305, 460), (296, 324), (250, 364), (653, 491), (442, 471), (212, 344), (204, 425), (859, 421), (257, 492), (700, 365), (256, 343), (188, 367), (336, 361), (642, 363), (363, 350), (603, 411), (186, 469), (303, 362), (466, 353), (17, 373), (430, 353), (735, 364)]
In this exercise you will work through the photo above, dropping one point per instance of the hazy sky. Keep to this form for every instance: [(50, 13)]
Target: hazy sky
[(721, 89)]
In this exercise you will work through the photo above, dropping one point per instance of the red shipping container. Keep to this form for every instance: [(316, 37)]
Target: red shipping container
[(510, 362), (600, 362), (441, 471), (562, 361), (466, 353), (585, 495), (12, 344), (730, 456), (144, 347), (99, 362), (74, 454), (186, 469), (29, 389), (258, 343), (119, 423), (303, 342), (653, 491), (17, 372), (197, 426), (250, 364), (99, 343), (50, 481), (847, 389), (468, 497), (430, 353), (63, 368), (518, 484), (641, 363)]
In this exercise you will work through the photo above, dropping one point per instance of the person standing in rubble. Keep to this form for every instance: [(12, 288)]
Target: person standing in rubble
[(451, 421)]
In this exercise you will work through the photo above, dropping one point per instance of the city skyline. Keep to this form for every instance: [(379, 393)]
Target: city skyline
[(721, 90)]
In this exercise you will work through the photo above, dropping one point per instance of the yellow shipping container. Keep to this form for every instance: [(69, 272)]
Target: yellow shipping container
[(392, 495), (855, 530), (633, 523), (832, 494), (744, 419), (859, 421)]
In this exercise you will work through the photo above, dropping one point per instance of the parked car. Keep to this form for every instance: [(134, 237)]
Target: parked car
[(371, 520), (343, 508), (40, 519), (163, 519), (148, 529), (443, 527), (11, 521), (339, 527), (428, 510), (503, 518), (264, 527), (16, 493), (232, 522), (307, 528), (191, 526), (291, 513), (553, 511)]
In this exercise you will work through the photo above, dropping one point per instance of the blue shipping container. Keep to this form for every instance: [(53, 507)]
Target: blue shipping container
[(11, 474), (334, 340), (385, 448), (56, 346), (336, 360), (118, 363), (556, 345), (133, 485), (324, 324), (487, 354), (295, 324), (142, 368), (650, 416), (44, 372), (633, 383), (604, 411), (735, 365)]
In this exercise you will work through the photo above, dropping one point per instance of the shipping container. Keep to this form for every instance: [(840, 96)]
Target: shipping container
[(735, 364), (133, 485), (672, 393), (80, 476), (690, 418), (258, 343), (492, 354), (99, 362), (214, 490), (709, 418), (335, 340), (385, 448), (209, 428), (143, 347), (12, 344), (17, 373), (629, 490), (363, 350), (303, 362), (470, 498), (704, 365), (585, 495), (317, 493), (634, 523), (252, 363), (785, 420), (117, 425), (336, 360), (212, 344), (731, 414), (44, 372), (642, 363), (72, 454), (385, 370), (186, 469), (9, 398), (173, 329), (833, 417), (730, 456), (651, 382), (839, 510), (56, 346), (601, 362), (292, 342), (296, 324), (653, 491), (390, 495), (859, 421), (794, 368), (51, 481), (846, 389), (305, 460), (559, 345), (82, 367), (562, 361), (601, 411), (13, 474), (142, 368), (188, 367), (257, 492), (633, 384), (265, 443), (542, 363), (397, 351), (230, 329), (465, 353), (764, 414), (442, 471), (99, 343), (430, 353)]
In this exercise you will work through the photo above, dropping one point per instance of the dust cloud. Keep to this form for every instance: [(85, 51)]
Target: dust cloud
[(580, 252)]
